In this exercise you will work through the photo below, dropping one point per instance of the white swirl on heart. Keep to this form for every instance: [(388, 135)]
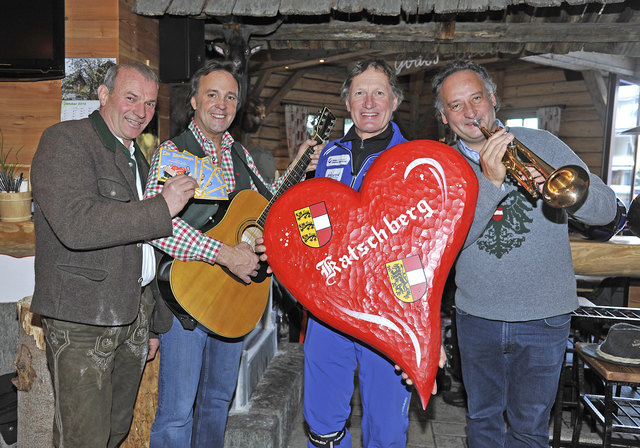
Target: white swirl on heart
[(373, 318), (436, 170), (414, 341)]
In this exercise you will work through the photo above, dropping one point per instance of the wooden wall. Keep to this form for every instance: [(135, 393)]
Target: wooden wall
[(523, 87), (310, 90), (28, 108), (529, 86), (108, 28), (93, 29)]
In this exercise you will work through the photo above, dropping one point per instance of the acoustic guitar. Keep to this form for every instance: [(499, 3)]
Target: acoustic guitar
[(211, 294)]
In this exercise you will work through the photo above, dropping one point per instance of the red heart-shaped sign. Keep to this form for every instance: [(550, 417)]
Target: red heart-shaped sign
[(373, 263)]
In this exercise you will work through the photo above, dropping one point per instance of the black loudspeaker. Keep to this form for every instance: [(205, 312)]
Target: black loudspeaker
[(182, 48)]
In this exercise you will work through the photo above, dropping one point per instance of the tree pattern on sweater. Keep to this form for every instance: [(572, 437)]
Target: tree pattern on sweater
[(506, 231)]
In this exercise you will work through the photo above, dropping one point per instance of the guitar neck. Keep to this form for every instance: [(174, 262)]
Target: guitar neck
[(294, 176)]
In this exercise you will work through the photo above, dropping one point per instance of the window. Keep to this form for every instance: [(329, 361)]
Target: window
[(523, 122), (312, 120), (624, 169), (348, 122)]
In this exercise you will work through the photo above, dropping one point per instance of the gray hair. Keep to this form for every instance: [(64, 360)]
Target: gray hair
[(112, 73), (380, 65), (458, 66), (210, 66)]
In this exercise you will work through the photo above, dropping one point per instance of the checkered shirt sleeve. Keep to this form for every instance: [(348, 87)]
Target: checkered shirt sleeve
[(188, 243)]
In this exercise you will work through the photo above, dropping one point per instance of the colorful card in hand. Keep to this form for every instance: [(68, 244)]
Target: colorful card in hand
[(208, 176)]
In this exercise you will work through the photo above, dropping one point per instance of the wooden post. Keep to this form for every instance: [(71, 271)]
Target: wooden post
[(35, 393), (145, 409)]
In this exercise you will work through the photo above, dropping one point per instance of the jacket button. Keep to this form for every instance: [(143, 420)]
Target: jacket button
[(140, 280), (112, 193)]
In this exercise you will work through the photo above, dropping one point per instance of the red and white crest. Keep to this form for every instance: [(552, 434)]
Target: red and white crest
[(314, 225), (407, 278)]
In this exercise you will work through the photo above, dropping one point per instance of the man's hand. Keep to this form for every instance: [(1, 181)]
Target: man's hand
[(262, 250), (241, 260), (537, 177), (153, 348), (441, 363), (177, 191), (491, 156), (314, 155)]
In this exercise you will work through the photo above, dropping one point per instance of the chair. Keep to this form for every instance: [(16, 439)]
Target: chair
[(619, 415), (589, 324)]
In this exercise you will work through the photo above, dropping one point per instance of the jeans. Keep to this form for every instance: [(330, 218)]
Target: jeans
[(510, 369), (331, 360), (198, 368), (96, 372)]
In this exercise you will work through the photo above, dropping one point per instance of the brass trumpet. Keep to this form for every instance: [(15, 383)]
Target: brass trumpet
[(563, 187)]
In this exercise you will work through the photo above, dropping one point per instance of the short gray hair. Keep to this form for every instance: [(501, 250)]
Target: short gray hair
[(112, 73), (378, 64), (458, 66)]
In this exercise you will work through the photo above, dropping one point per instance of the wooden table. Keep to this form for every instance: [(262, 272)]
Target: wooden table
[(17, 239), (618, 257)]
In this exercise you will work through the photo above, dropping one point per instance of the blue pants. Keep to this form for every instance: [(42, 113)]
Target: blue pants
[(195, 367), (330, 362), (512, 369)]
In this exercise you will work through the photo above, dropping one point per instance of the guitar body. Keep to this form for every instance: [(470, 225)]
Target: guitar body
[(211, 294)]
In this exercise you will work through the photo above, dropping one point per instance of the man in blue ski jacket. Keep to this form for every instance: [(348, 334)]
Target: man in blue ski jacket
[(372, 95)]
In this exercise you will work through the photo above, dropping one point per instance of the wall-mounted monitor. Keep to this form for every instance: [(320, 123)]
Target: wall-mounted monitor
[(31, 40)]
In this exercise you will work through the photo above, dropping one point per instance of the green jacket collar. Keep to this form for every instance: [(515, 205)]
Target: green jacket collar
[(110, 141)]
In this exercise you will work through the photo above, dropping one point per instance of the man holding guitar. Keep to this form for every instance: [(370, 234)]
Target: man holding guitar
[(197, 366)]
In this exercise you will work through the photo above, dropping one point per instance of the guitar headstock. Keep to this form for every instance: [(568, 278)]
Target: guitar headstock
[(324, 126)]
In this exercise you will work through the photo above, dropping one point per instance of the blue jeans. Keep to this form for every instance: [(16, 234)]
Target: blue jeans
[(331, 360), (510, 369), (198, 368)]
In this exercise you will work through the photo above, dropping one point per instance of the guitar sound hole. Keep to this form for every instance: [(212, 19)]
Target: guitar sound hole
[(250, 235)]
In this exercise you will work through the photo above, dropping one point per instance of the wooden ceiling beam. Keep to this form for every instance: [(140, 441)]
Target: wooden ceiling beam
[(597, 89), (263, 78), (462, 32), (318, 60), (282, 92), (580, 61)]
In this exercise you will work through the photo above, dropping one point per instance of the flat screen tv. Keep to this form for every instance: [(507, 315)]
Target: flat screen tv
[(31, 40)]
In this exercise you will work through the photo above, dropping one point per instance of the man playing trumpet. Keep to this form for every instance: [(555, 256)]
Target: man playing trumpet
[(515, 282)]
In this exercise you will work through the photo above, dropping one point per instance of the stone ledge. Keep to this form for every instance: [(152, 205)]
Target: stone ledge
[(274, 403)]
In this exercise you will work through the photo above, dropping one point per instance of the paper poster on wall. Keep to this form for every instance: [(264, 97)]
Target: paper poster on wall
[(80, 86)]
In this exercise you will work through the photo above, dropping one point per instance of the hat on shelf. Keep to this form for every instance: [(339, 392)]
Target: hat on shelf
[(621, 346)]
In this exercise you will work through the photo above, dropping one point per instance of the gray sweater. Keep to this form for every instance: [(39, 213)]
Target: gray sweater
[(516, 261)]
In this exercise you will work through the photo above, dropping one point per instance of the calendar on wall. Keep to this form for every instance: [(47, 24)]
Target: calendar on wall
[(75, 110), (80, 86)]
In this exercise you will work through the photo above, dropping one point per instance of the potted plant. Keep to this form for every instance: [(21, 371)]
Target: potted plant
[(15, 204)]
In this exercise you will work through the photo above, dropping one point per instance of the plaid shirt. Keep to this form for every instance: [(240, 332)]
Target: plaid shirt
[(187, 243)]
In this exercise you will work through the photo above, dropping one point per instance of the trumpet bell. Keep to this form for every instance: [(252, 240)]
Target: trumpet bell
[(566, 186)]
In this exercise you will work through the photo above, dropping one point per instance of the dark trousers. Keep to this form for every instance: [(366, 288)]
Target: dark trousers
[(510, 369), (96, 372)]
